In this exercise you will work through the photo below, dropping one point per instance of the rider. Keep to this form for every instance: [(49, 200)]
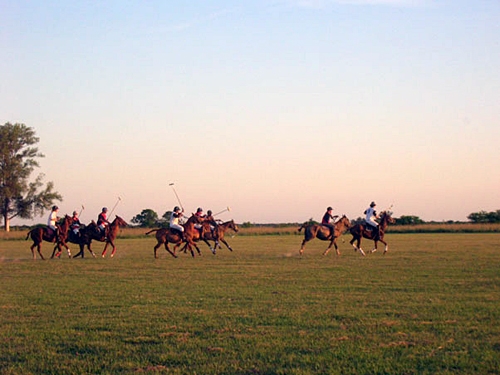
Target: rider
[(52, 222), (213, 225), (102, 222), (371, 215), (75, 224), (199, 213), (329, 219), (174, 220)]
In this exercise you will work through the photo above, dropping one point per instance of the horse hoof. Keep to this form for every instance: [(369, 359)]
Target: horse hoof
[(373, 251)]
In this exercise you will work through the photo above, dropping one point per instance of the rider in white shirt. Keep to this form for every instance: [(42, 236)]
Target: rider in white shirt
[(175, 219), (371, 215)]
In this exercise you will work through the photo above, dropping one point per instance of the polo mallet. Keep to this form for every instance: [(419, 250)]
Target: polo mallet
[(83, 208), (226, 209), (116, 204), (178, 200)]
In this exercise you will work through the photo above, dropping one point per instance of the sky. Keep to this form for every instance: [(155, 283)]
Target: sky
[(273, 108)]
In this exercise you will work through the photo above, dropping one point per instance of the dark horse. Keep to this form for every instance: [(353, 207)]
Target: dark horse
[(42, 233), (324, 233), (166, 235), (92, 232), (82, 239), (361, 230), (205, 234)]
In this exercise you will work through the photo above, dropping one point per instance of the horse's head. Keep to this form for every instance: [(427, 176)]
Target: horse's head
[(232, 225), (66, 221), (120, 222), (344, 221), (385, 216)]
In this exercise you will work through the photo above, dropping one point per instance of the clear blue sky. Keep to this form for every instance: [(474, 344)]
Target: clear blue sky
[(277, 109)]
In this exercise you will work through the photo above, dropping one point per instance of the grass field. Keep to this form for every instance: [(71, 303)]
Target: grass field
[(430, 306)]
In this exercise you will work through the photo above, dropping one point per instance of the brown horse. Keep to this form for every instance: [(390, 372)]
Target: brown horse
[(361, 230), (164, 236), (91, 232), (324, 233), (42, 233), (218, 236)]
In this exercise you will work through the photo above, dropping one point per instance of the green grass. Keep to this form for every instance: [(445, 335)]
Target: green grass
[(430, 306)]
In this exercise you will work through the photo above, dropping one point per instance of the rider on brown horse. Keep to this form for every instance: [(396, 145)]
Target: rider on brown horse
[(329, 219), (102, 222), (52, 226), (370, 217)]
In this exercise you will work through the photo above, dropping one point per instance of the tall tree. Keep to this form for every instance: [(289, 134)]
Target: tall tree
[(146, 219), (18, 196)]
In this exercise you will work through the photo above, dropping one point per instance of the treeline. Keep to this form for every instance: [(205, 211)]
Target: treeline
[(485, 217), (148, 218)]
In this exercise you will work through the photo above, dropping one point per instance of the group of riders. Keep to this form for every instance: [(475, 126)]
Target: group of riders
[(101, 227), (370, 219), (176, 220)]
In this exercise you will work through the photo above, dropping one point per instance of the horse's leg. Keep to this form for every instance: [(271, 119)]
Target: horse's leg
[(359, 247), (114, 249), (39, 249), (329, 247), (210, 247), (168, 249), (33, 250), (336, 247), (88, 247), (358, 244), (103, 254), (386, 246), (374, 246), (157, 246), (80, 253), (225, 243), (67, 249), (303, 246), (197, 249), (54, 252)]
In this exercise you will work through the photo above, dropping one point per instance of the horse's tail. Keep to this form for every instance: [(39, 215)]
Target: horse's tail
[(153, 230), (302, 227), (28, 235)]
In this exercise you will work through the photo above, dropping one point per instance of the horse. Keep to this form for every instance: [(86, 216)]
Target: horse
[(91, 232), (82, 239), (42, 233), (324, 233), (361, 230), (164, 236), (219, 235)]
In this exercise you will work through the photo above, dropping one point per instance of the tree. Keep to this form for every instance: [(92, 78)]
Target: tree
[(409, 220), (485, 217), (146, 219), (18, 196)]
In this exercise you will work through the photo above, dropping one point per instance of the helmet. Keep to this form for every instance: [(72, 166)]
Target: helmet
[(329, 209), (104, 209), (199, 209), (176, 208), (373, 204), (54, 208), (75, 213), (209, 212)]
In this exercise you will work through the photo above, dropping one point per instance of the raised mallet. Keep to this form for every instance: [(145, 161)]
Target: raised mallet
[(178, 199), (224, 210), (116, 204)]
